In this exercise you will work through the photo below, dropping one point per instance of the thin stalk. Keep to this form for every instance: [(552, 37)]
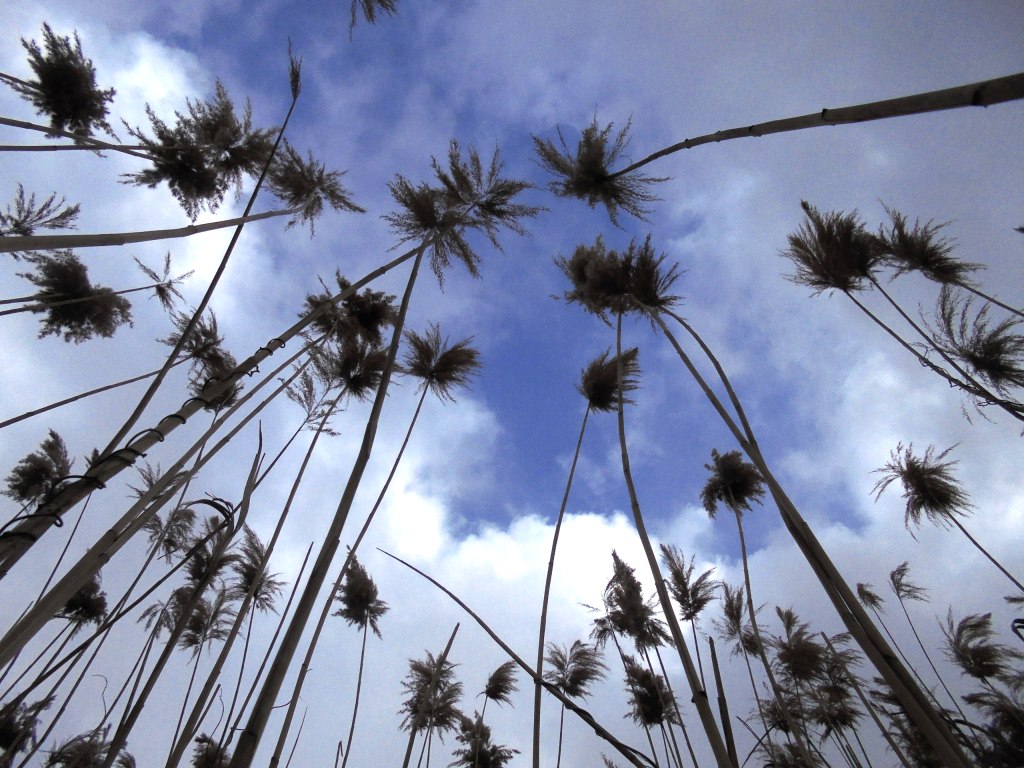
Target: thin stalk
[(630, 754), (928, 657), (541, 632), (329, 601), (700, 696), (850, 611), (298, 736), (45, 305), (723, 706), (675, 705), (14, 544), (227, 736), (355, 706), (985, 552), (793, 723), (55, 242), (696, 648), (184, 703), (136, 517), (178, 750), (96, 144), (561, 726), (990, 299), (1014, 409), (979, 94), (250, 737), (81, 396), (428, 695)]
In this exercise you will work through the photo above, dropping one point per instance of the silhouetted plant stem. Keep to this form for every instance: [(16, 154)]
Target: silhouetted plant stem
[(250, 737), (428, 694), (542, 630), (141, 512), (178, 750), (985, 552), (928, 657), (93, 143), (982, 93), (859, 625), (228, 735), (990, 299), (630, 754), (977, 388), (723, 706), (54, 242), (81, 396), (700, 697), (359, 688)]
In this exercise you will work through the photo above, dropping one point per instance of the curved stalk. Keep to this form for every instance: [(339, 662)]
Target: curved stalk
[(979, 94), (850, 611), (630, 754), (700, 697), (541, 632)]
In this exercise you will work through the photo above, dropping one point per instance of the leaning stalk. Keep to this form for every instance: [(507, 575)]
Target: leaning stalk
[(980, 94), (54, 242), (250, 737), (856, 620), (547, 595), (700, 697), (14, 544), (630, 754)]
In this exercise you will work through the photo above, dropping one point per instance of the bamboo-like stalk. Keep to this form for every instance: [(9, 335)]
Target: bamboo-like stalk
[(14, 544), (134, 519), (541, 632), (630, 754), (700, 697), (355, 703), (54, 242), (250, 736), (850, 611), (980, 94), (723, 706)]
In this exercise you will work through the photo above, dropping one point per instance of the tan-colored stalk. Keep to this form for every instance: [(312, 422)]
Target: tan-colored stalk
[(979, 94)]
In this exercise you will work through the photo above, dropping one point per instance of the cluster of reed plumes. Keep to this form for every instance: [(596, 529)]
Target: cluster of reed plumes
[(203, 578)]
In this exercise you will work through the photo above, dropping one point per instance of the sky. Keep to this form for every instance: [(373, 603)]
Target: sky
[(474, 501)]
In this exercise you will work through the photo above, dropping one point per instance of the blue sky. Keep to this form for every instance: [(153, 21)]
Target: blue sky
[(475, 499)]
